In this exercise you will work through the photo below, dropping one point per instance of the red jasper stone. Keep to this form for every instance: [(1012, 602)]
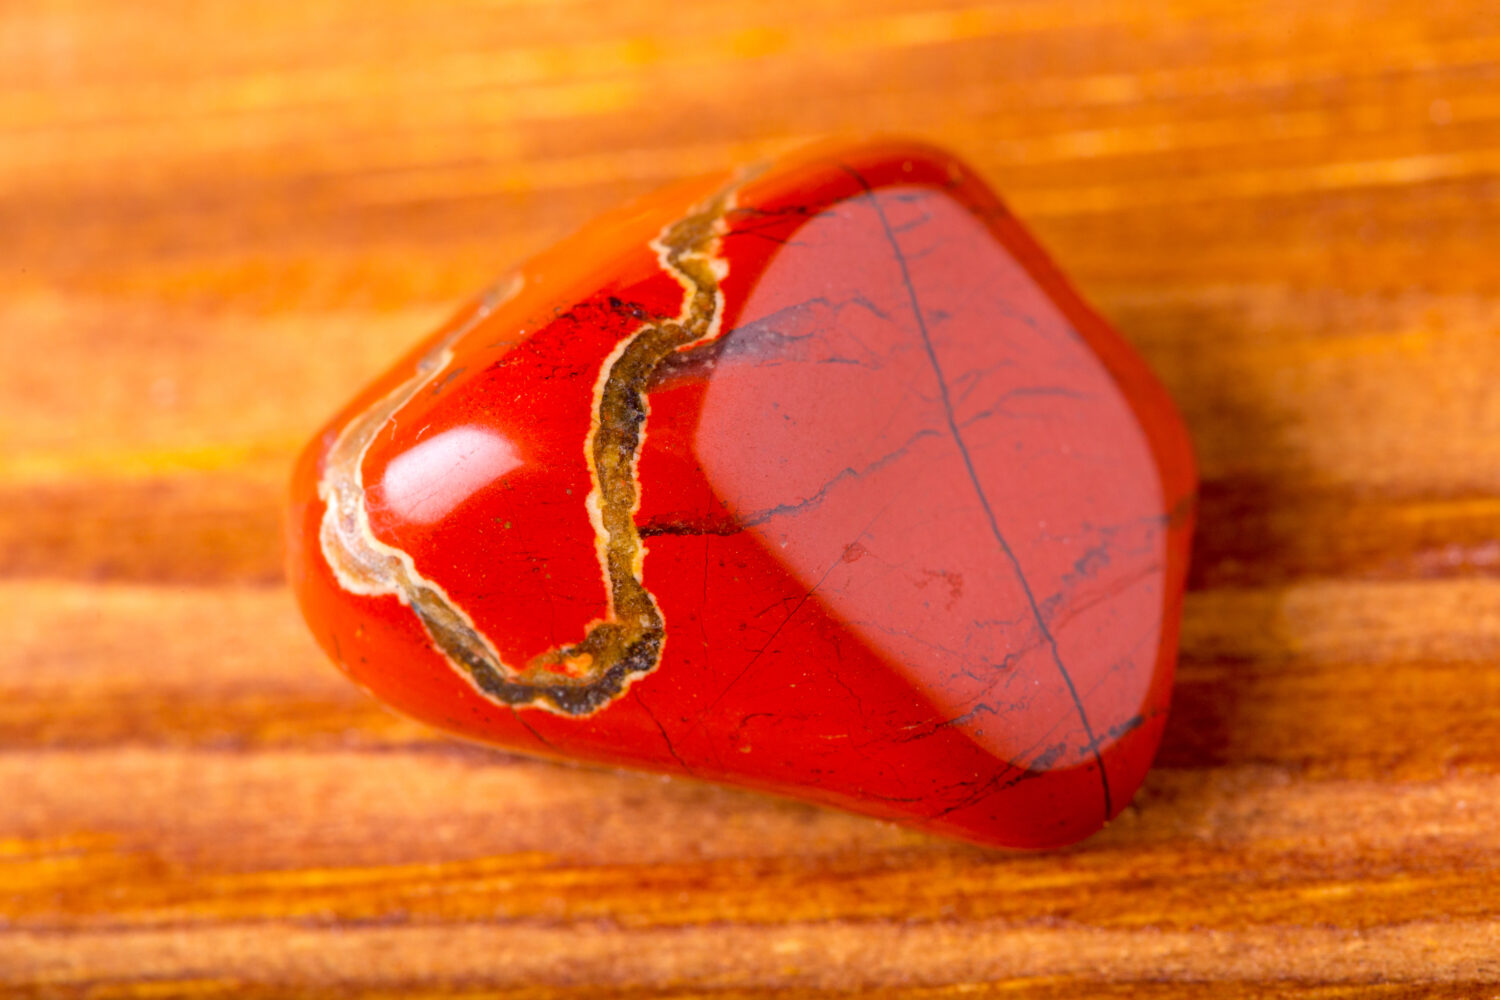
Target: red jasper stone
[(816, 479)]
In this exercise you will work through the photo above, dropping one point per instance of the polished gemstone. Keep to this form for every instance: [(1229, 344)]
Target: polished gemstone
[(815, 478)]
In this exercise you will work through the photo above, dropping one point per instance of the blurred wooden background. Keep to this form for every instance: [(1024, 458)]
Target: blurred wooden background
[(218, 219)]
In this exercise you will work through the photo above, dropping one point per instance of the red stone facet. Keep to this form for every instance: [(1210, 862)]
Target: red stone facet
[(818, 480)]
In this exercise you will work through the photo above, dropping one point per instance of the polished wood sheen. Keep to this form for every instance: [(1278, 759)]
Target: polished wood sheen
[(220, 220)]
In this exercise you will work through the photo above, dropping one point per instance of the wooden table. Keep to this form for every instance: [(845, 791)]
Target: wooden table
[(218, 219)]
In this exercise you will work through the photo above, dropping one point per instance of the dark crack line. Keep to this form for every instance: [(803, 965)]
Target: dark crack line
[(532, 730), (768, 237), (774, 633), (1000, 406), (989, 513), (833, 673), (734, 526), (663, 730), (793, 613), (749, 339)]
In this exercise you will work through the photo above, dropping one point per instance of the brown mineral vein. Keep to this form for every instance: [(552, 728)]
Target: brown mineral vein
[(627, 643)]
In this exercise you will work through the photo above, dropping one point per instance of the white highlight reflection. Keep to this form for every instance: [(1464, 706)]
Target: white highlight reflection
[(427, 481)]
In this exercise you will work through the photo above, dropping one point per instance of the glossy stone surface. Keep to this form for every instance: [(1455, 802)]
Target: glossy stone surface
[(815, 478)]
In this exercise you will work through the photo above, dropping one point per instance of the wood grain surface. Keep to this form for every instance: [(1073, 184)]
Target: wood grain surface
[(218, 219)]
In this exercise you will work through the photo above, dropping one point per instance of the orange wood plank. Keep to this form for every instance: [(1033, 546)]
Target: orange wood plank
[(219, 219)]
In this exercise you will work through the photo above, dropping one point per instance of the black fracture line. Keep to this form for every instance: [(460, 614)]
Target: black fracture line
[(989, 513)]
